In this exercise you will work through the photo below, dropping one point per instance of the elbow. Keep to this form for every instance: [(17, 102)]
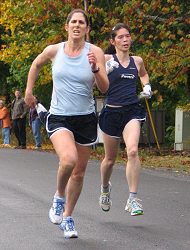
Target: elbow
[(104, 90), (36, 66)]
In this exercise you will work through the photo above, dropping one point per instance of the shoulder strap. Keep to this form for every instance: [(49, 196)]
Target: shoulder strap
[(132, 62), (115, 58)]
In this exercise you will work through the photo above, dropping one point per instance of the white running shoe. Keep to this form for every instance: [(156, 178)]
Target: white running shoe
[(134, 207), (68, 227), (105, 199), (56, 211)]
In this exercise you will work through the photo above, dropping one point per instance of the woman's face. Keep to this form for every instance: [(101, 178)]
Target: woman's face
[(77, 27), (122, 40)]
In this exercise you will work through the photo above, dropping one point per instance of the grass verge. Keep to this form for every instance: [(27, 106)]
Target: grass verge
[(150, 157)]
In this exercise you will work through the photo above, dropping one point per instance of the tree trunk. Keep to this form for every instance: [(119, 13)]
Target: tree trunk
[(86, 5)]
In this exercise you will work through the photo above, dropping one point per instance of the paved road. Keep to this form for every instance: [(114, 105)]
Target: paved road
[(27, 184)]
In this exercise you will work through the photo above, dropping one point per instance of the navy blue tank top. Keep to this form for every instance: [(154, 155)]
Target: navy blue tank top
[(123, 84)]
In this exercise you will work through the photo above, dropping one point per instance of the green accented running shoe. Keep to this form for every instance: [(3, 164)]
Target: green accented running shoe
[(134, 207)]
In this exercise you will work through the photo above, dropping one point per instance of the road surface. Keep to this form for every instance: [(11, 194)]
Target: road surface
[(27, 185)]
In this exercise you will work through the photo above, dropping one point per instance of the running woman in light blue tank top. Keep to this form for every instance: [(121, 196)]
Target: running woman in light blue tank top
[(71, 122)]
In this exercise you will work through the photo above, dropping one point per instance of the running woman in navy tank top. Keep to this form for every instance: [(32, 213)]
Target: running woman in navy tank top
[(122, 115)]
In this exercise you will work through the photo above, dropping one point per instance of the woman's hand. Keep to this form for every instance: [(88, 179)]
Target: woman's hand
[(29, 99), (92, 60)]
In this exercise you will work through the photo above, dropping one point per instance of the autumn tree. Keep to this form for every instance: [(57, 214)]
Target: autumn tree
[(159, 30), (30, 26)]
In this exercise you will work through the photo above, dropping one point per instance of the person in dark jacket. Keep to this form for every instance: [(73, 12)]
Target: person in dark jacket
[(19, 113)]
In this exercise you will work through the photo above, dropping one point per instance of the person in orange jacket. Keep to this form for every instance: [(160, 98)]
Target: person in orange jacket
[(5, 123)]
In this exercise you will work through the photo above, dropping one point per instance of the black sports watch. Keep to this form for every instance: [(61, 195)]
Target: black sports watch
[(96, 70)]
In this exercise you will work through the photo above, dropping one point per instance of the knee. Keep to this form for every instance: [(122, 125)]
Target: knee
[(132, 152), (78, 176), (67, 161), (109, 162)]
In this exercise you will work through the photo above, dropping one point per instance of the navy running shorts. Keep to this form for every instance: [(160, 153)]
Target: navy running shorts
[(83, 127), (112, 120)]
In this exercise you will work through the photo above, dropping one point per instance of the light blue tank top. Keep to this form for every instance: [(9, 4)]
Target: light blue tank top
[(72, 84)]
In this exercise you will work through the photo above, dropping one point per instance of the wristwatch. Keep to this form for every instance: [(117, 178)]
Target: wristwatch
[(96, 70)]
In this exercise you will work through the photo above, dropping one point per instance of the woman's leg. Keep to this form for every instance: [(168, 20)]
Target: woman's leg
[(65, 147), (131, 136), (111, 147), (75, 183), (106, 168), (74, 188)]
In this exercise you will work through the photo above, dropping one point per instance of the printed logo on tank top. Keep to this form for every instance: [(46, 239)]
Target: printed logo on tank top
[(128, 76)]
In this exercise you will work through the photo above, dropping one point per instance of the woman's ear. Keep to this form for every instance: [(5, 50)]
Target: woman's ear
[(66, 27), (87, 30), (112, 42)]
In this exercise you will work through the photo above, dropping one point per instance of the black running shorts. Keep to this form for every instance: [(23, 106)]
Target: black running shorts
[(83, 127)]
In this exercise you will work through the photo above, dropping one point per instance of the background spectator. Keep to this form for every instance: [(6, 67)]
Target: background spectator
[(5, 123), (19, 113), (36, 123)]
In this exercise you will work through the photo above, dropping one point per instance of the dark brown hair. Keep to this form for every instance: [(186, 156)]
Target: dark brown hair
[(117, 27), (77, 11)]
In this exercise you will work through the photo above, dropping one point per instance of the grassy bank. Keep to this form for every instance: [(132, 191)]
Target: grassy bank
[(150, 157)]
